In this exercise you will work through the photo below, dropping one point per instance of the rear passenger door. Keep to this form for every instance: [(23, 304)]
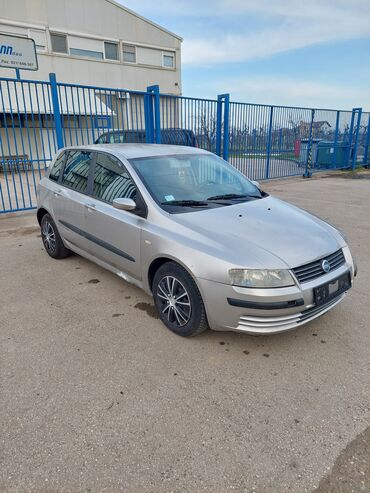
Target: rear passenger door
[(71, 198), (116, 233)]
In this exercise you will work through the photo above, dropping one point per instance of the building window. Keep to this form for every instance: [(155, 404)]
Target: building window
[(129, 53), (103, 122), (86, 53), (59, 43), (111, 50), (168, 61)]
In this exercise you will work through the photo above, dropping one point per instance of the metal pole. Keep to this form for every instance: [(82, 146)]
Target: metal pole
[(269, 142), (219, 125), (354, 155), (225, 151), (157, 113), (223, 120), (308, 172), (56, 110), (18, 73), (336, 139), (367, 142), (351, 134)]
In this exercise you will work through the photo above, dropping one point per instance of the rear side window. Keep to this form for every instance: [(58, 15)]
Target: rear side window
[(76, 171), (178, 137), (116, 138), (57, 167), (135, 137), (111, 179)]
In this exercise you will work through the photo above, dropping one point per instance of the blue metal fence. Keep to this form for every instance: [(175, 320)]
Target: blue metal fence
[(38, 117)]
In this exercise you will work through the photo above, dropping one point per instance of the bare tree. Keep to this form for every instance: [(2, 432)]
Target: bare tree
[(207, 130)]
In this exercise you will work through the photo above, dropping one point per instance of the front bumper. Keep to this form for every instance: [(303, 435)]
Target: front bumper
[(283, 308)]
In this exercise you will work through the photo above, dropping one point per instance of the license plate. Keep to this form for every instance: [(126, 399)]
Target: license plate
[(332, 289)]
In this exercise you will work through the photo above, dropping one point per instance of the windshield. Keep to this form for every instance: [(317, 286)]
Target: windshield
[(194, 181)]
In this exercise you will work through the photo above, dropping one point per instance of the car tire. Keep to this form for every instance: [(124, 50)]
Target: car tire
[(178, 301), (51, 239)]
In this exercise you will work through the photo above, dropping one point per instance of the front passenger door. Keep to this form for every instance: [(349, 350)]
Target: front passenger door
[(115, 233)]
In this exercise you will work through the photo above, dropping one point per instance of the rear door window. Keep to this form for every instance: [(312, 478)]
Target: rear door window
[(76, 170), (111, 179)]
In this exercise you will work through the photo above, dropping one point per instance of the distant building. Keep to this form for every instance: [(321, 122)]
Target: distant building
[(319, 127)]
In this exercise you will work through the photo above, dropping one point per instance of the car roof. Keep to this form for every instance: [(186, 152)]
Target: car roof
[(172, 129), (131, 151)]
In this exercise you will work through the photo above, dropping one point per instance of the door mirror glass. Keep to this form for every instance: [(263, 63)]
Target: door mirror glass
[(124, 204)]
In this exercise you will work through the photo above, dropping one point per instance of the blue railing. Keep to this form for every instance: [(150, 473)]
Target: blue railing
[(262, 141)]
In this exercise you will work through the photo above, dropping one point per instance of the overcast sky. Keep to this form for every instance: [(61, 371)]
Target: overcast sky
[(291, 52)]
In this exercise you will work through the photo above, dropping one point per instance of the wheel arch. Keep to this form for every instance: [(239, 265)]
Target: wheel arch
[(164, 259), (40, 214)]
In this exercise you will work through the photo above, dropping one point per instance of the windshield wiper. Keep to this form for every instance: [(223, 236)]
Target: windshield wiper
[(233, 196), (186, 203)]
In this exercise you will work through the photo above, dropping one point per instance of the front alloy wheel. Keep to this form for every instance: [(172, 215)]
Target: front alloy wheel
[(175, 301), (178, 300)]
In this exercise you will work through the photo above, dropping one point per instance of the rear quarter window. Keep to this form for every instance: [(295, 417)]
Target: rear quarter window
[(76, 170), (57, 167)]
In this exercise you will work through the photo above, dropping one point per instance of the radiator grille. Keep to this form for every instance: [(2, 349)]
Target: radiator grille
[(310, 271)]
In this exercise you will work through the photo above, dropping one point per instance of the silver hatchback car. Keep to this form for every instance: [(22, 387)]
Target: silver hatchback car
[(212, 248)]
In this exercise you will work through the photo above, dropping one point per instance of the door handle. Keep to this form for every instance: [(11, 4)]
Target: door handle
[(57, 193), (90, 207)]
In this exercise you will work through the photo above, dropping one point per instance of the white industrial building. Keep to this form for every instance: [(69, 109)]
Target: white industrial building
[(97, 43)]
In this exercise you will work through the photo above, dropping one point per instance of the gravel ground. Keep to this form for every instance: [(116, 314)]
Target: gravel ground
[(97, 395)]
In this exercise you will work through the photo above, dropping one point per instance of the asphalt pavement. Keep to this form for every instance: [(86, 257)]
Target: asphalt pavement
[(97, 395)]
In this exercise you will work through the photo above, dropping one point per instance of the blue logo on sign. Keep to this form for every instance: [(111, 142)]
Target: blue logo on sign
[(6, 50)]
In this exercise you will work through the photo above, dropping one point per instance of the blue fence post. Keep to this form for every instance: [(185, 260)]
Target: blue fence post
[(154, 90), (269, 142), (56, 110), (219, 125), (354, 155), (225, 151), (222, 125), (350, 135), (308, 172), (336, 139), (367, 142)]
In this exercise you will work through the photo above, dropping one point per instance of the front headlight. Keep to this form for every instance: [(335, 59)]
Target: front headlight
[(260, 278)]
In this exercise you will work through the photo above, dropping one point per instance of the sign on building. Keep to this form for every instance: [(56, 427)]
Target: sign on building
[(17, 52)]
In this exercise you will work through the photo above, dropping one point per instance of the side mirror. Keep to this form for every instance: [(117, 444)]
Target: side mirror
[(256, 183), (124, 204)]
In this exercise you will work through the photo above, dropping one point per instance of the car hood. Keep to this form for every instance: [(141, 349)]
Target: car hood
[(263, 233)]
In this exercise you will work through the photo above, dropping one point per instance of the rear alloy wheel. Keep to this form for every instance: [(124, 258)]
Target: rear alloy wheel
[(178, 300), (51, 239)]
